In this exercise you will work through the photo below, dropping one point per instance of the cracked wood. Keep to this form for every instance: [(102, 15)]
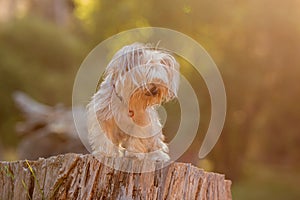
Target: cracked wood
[(74, 176)]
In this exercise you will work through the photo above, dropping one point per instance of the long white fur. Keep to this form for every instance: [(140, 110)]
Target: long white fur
[(131, 67)]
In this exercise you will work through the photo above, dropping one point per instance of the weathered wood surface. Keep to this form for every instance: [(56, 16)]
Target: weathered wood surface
[(74, 176)]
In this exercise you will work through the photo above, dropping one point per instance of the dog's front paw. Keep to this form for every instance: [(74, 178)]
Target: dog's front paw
[(159, 156), (164, 147), (139, 156)]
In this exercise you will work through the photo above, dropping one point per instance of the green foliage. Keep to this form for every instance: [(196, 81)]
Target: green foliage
[(40, 59)]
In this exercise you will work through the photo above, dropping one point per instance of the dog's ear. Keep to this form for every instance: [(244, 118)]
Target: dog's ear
[(134, 58), (173, 74), (130, 56), (170, 61), (125, 59)]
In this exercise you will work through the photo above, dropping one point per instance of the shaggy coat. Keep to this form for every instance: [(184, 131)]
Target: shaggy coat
[(122, 119)]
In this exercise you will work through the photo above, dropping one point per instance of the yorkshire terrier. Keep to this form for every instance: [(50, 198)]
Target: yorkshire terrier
[(122, 116)]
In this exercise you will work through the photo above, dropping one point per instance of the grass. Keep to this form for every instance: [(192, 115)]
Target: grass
[(35, 179), (27, 189), (7, 172)]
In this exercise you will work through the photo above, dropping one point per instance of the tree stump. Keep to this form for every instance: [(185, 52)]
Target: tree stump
[(75, 176)]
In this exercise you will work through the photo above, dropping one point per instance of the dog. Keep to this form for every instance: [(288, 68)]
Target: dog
[(122, 116)]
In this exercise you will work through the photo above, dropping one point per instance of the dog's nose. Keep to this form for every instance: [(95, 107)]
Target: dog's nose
[(153, 91)]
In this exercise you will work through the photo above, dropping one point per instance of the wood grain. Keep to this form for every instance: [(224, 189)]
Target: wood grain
[(75, 176)]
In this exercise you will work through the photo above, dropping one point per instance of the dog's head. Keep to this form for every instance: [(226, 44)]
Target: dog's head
[(143, 76), (144, 97)]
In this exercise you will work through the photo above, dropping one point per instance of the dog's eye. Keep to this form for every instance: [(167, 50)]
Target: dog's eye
[(152, 92)]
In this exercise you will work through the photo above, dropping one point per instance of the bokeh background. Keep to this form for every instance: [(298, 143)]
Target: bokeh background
[(255, 44)]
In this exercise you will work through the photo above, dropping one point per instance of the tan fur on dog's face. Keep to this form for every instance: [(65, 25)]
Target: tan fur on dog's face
[(144, 97)]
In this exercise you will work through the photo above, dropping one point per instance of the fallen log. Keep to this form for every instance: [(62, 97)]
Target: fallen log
[(50, 128), (75, 176)]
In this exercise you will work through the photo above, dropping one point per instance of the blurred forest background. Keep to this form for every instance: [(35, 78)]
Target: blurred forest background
[(255, 44)]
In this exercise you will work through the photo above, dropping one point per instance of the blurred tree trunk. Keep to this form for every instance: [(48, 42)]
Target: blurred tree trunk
[(74, 176)]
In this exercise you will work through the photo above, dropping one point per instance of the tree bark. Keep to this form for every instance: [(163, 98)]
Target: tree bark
[(75, 176)]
